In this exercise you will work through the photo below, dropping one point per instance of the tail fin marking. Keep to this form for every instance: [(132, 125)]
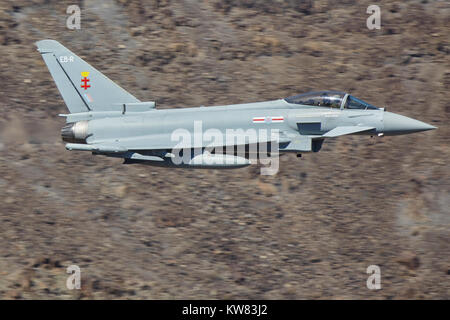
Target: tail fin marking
[(82, 87)]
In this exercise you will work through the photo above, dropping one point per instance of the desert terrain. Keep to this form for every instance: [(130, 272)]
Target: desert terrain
[(309, 232)]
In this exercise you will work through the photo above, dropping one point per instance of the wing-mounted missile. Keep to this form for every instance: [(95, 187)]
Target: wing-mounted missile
[(96, 148)]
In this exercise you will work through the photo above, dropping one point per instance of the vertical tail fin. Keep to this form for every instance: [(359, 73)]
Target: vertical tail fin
[(82, 87)]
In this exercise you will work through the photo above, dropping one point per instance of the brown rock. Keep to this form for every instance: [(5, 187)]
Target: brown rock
[(409, 259)]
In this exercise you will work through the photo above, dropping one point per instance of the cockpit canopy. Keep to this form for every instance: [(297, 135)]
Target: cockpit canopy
[(331, 99), (355, 103)]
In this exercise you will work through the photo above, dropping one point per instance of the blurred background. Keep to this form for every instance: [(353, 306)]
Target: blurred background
[(310, 232)]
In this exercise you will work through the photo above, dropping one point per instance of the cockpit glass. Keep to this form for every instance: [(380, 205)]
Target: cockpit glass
[(332, 99), (355, 103)]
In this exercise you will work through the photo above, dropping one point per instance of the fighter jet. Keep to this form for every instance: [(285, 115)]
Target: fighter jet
[(106, 120)]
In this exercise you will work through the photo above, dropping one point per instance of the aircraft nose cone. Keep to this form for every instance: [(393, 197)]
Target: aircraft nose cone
[(398, 124)]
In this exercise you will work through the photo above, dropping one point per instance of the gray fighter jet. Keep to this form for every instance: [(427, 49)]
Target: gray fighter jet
[(107, 120)]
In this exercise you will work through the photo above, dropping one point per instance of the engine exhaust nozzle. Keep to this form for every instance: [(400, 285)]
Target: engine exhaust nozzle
[(75, 132)]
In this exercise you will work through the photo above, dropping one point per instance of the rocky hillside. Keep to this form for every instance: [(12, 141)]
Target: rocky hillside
[(308, 232)]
